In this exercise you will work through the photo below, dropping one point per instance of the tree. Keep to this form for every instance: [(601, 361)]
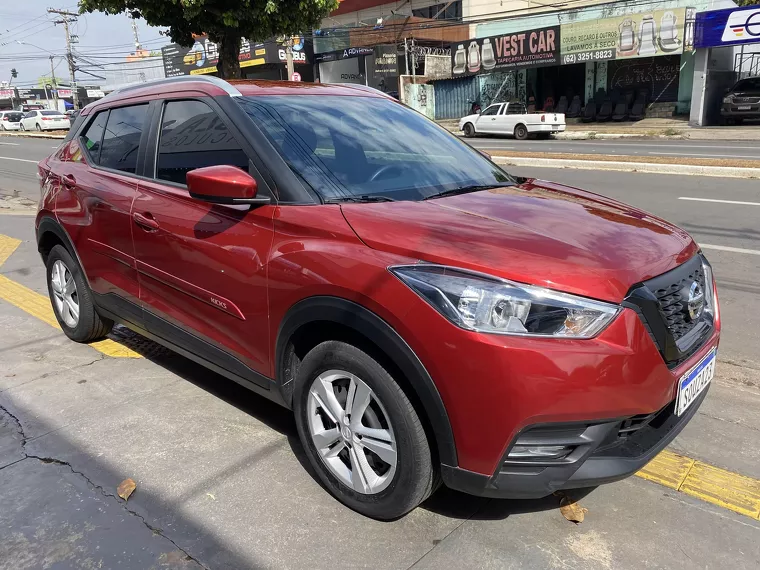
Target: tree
[(747, 2), (43, 80), (224, 21)]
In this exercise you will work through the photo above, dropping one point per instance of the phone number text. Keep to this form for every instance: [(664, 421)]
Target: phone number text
[(588, 56)]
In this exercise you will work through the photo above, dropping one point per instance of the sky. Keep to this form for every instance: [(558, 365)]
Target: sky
[(103, 40)]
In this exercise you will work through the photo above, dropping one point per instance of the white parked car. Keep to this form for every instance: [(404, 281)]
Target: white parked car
[(10, 120), (44, 120), (512, 119)]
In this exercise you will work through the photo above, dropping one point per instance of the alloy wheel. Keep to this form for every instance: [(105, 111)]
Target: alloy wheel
[(352, 432), (65, 295)]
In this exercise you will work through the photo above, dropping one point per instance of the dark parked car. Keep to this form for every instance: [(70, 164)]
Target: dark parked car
[(426, 316), (742, 101)]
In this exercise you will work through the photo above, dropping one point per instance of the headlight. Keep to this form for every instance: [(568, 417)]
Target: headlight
[(488, 304), (709, 289), (728, 99)]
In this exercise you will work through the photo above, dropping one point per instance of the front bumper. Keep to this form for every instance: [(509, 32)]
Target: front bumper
[(731, 111), (604, 457)]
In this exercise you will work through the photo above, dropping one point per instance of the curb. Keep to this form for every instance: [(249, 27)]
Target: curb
[(31, 135), (647, 167)]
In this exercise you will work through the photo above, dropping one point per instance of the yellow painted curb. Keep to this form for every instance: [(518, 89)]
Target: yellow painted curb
[(39, 306), (711, 484)]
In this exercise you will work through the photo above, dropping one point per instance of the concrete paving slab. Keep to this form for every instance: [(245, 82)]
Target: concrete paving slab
[(53, 518), (632, 524), (226, 468)]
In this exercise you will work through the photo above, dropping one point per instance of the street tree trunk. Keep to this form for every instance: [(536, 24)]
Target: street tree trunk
[(228, 65)]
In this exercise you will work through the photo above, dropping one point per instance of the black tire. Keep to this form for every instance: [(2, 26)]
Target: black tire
[(521, 132), (22, 127), (469, 130), (39, 128), (415, 478), (90, 326)]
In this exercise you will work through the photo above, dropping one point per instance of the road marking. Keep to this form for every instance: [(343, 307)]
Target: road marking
[(9, 144), (731, 249), (18, 159), (711, 484), (39, 306), (719, 201), (726, 156)]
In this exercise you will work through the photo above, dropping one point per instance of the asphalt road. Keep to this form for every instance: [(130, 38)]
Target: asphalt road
[(18, 164), (223, 483), (628, 147)]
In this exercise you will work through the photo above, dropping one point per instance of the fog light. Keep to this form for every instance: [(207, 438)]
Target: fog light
[(539, 452)]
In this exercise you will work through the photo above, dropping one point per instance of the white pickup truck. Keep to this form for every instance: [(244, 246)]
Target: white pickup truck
[(512, 119)]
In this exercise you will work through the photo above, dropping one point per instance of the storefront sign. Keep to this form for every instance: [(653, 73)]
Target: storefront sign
[(658, 32), (203, 56), (95, 94), (386, 61), (530, 48), (728, 27), (7, 93), (342, 54), (64, 93)]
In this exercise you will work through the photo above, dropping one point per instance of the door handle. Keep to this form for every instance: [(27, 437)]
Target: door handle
[(145, 221), (69, 180)]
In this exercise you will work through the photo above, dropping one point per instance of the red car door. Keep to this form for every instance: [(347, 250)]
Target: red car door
[(97, 187), (202, 266)]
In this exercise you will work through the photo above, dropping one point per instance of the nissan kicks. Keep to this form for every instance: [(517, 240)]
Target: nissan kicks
[(428, 317)]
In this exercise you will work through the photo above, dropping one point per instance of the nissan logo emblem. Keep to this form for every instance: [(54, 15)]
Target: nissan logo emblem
[(696, 301)]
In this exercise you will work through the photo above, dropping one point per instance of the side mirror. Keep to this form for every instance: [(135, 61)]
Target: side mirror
[(484, 153), (224, 184)]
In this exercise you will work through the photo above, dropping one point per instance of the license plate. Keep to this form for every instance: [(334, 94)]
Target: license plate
[(743, 107), (694, 382)]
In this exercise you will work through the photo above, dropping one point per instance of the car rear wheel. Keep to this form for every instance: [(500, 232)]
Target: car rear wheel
[(39, 128), (361, 433), (469, 130), (72, 299), (521, 132)]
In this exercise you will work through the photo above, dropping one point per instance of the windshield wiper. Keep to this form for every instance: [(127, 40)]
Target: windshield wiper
[(466, 189), (365, 198)]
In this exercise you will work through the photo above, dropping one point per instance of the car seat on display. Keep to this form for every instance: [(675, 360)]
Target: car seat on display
[(575, 108), (605, 111), (473, 57), (621, 111), (668, 38), (561, 105), (627, 40), (589, 112), (488, 59), (460, 60)]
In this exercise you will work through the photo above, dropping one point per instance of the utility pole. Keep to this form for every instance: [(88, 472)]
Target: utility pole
[(134, 32), (289, 56), (54, 83), (66, 18)]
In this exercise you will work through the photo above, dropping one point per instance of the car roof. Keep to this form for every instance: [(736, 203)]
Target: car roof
[(213, 86)]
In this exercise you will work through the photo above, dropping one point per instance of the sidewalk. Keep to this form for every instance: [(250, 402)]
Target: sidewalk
[(646, 128)]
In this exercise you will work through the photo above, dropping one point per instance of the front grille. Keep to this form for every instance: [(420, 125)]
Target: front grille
[(662, 305), (746, 100), (673, 302)]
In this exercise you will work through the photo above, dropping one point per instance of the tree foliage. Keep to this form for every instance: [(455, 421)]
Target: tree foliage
[(224, 21), (747, 2)]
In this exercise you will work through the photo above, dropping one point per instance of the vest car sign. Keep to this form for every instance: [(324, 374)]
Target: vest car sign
[(728, 27)]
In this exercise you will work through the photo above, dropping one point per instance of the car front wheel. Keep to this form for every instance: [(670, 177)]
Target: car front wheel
[(22, 127), (469, 130), (361, 433), (39, 128)]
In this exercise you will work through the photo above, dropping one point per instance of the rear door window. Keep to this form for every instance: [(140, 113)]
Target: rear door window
[(93, 136), (194, 136), (121, 139)]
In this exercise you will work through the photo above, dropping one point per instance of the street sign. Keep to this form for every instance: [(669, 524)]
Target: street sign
[(296, 76)]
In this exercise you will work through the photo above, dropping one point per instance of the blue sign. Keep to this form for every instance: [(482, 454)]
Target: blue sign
[(728, 27)]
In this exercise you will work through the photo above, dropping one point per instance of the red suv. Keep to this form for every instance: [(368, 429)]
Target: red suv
[(426, 316)]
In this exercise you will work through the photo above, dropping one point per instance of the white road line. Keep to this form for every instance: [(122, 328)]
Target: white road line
[(19, 159), (731, 249), (9, 144), (719, 201), (726, 156)]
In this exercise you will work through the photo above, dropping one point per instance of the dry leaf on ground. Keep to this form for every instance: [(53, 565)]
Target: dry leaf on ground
[(570, 509), (126, 488)]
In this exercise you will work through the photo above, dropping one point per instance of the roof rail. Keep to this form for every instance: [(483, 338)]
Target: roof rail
[(221, 83)]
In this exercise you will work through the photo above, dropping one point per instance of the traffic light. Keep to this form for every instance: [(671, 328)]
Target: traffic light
[(14, 73)]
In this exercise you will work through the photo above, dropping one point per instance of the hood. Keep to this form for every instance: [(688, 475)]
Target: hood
[(468, 118), (539, 233)]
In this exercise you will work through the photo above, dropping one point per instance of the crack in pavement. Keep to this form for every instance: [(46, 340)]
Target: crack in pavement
[(99, 488)]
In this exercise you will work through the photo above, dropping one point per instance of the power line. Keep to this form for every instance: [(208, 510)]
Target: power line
[(67, 18)]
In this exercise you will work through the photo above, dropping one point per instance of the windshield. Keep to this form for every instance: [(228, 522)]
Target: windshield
[(751, 84), (364, 147)]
